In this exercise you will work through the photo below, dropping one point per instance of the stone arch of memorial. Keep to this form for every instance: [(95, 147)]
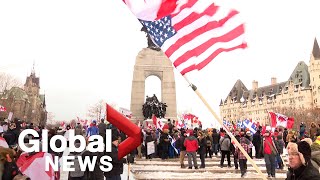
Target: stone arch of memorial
[(153, 63)]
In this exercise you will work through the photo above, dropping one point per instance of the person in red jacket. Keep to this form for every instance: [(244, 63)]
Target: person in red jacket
[(270, 152), (191, 144)]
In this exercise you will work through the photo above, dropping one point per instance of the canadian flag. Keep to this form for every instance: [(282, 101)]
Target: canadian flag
[(160, 124), (281, 120), (179, 124), (148, 125), (2, 108)]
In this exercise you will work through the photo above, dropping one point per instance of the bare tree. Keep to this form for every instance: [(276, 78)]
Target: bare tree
[(8, 81), (50, 118), (97, 111)]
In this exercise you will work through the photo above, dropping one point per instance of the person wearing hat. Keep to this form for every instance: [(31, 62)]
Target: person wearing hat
[(269, 152), (117, 170), (191, 144), (93, 129), (300, 166)]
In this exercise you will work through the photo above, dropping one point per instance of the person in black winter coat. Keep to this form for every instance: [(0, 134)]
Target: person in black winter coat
[(300, 166), (256, 141), (164, 144), (11, 136), (147, 140), (215, 141), (202, 148), (117, 170), (181, 147)]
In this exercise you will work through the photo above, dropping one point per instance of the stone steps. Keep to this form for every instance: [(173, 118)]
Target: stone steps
[(157, 169), (217, 164)]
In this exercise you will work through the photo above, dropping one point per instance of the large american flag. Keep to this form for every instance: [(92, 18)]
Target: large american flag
[(195, 32)]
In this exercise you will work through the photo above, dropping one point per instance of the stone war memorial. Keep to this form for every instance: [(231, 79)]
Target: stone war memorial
[(151, 61)]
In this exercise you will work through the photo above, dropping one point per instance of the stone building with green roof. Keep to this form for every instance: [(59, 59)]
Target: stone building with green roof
[(301, 90), (25, 103)]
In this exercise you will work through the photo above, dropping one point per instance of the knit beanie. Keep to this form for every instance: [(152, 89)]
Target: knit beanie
[(303, 149)]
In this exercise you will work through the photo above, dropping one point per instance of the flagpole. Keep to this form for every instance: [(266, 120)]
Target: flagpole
[(194, 88)]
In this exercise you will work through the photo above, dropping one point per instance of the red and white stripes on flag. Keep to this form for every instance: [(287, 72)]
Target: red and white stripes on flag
[(202, 36), (201, 30), (281, 120), (2, 108)]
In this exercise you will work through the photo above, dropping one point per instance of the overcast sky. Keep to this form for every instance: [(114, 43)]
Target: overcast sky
[(85, 51)]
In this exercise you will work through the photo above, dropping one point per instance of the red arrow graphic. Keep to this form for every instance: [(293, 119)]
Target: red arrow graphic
[(130, 129)]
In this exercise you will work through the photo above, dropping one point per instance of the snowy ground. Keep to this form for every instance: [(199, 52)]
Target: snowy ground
[(157, 169)]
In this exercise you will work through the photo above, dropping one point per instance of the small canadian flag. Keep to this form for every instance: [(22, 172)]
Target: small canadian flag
[(2, 108)]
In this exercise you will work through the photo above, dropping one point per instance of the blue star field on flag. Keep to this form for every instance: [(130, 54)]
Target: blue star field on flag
[(159, 30)]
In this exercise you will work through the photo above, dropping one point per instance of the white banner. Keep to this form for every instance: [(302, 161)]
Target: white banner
[(10, 115), (125, 112), (150, 148)]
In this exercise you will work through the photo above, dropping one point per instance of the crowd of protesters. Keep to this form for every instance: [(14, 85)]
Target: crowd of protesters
[(303, 147), (268, 144)]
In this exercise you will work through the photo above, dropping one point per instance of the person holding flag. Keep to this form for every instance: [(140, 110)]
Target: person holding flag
[(181, 147)]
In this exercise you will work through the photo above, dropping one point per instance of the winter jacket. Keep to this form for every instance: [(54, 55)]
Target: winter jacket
[(225, 143), (303, 173), (313, 131), (117, 164), (279, 145), (191, 144), (78, 130), (267, 147), (209, 140), (215, 138), (11, 136), (256, 140), (93, 130), (102, 128), (179, 143), (96, 174), (202, 145), (315, 159)]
